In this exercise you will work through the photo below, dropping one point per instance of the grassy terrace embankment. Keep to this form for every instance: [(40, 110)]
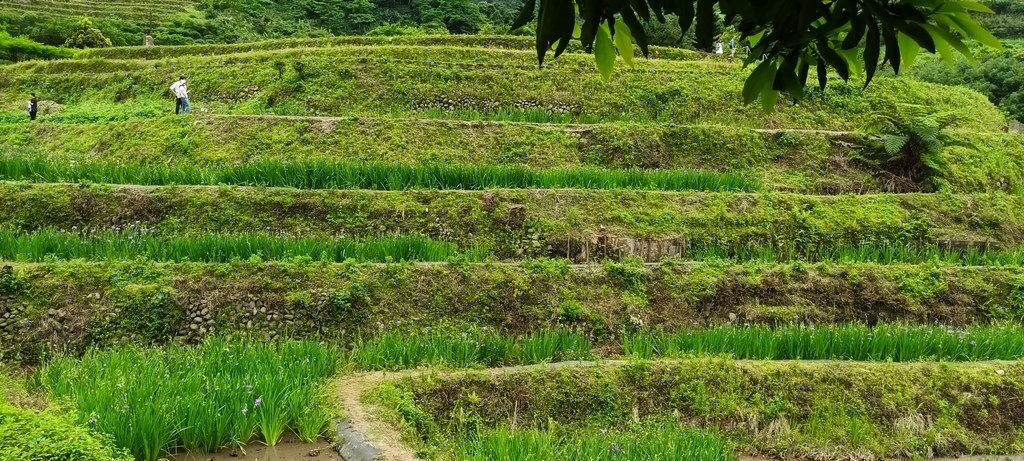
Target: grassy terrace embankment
[(515, 223), (797, 161), (401, 80), (497, 42), (827, 410), (69, 306), (664, 114)]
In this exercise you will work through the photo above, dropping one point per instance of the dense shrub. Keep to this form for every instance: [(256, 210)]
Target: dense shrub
[(87, 36), (30, 435), (16, 49)]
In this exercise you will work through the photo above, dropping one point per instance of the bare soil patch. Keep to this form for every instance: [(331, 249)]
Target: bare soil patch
[(287, 450)]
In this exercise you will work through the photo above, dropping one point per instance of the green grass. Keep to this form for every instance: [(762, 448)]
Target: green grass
[(506, 42), (407, 79), (898, 343), (661, 443), (473, 348), (217, 394), (130, 244), (332, 175), (881, 253), (138, 241)]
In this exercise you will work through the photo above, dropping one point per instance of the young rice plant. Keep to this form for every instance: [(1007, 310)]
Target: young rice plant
[(217, 394)]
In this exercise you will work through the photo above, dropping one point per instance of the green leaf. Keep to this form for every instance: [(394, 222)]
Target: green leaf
[(975, 31), (872, 50), (768, 99), (624, 43), (976, 6), (756, 38), (892, 49), (835, 60), (526, 14), (909, 49), (946, 39), (759, 81), (604, 53), (856, 33), (707, 25)]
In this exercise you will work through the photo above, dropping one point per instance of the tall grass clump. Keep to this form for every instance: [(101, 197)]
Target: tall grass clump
[(885, 342), (221, 393), (331, 175), (392, 351), (116, 245), (660, 443)]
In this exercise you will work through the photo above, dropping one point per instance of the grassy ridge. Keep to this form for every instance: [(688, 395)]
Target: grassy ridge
[(147, 302), (140, 243), (788, 409), (333, 175), (404, 79), (503, 42), (230, 140), (790, 161), (128, 245), (510, 221)]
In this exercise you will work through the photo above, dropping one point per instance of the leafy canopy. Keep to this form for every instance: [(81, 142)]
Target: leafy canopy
[(787, 37)]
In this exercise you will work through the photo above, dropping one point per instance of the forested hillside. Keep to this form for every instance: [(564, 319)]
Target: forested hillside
[(229, 21)]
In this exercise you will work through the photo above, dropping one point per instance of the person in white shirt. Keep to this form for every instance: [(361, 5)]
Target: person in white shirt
[(180, 90)]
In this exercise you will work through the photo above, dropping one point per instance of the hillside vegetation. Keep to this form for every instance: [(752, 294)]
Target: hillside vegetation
[(341, 205), (180, 22), (394, 99)]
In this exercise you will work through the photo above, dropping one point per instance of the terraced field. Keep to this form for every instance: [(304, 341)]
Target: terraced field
[(465, 257), (120, 9)]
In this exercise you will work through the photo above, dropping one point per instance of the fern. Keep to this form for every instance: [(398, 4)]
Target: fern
[(910, 143), (893, 144)]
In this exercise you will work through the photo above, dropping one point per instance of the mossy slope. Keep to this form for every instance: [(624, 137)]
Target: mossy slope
[(796, 410), (73, 305), (516, 223)]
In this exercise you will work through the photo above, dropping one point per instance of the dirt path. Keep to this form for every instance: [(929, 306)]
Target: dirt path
[(571, 127)]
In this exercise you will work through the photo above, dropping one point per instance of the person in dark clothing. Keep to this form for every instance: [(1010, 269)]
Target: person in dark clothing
[(33, 107)]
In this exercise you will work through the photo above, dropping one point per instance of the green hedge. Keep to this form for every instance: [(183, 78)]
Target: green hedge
[(405, 80), (513, 223), (69, 306), (789, 410)]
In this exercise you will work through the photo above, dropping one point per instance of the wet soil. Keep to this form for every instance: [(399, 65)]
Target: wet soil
[(288, 450)]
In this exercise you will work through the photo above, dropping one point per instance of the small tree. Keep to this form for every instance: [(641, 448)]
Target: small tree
[(86, 35)]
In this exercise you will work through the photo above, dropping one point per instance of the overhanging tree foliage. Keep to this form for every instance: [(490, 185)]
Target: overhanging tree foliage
[(788, 38)]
